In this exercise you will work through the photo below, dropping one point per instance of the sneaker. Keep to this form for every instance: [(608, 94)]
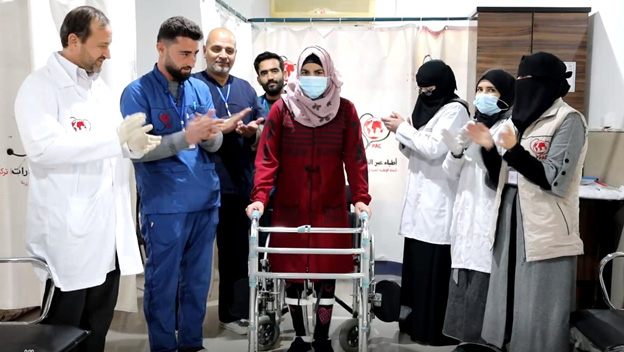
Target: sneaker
[(240, 327), (322, 346), (298, 345)]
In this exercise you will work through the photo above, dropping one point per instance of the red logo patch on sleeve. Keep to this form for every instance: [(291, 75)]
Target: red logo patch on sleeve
[(540, 148), (80, 125)]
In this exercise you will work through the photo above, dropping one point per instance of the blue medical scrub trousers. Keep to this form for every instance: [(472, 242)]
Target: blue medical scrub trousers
[(179, 257)]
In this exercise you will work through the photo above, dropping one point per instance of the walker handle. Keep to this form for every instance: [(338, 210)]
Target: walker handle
[(363, 215), (255, 215)]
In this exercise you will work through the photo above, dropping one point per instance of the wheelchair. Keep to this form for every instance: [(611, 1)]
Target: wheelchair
[(32, 336), (596, 330), (266, 288)]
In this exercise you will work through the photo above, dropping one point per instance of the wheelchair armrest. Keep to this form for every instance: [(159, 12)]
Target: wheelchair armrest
[(46, 306), (603, 263)]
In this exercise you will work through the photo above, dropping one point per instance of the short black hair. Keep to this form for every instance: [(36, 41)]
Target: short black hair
[(179, 26), (267, 55), (78, 21)]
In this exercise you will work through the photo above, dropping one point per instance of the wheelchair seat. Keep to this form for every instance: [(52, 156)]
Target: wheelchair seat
[(599, 329), (40, 337), (31, 336)]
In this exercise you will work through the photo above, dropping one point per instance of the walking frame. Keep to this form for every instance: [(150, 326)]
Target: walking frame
[(260, 280)]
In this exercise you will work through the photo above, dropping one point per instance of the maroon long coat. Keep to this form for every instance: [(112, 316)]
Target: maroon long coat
[(307, 165)]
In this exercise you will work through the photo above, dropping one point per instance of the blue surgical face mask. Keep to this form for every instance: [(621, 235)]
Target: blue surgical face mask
[(487, 104), (313, 86)]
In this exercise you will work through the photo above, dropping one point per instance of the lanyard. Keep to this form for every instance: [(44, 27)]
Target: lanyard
[(178, 109), (225, 99)]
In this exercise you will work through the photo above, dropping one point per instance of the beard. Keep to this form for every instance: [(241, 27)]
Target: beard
[(176, 72), (219, 69), (91, 65), (275, 90)]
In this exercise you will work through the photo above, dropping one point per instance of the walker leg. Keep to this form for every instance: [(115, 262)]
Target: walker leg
[(253, 318)]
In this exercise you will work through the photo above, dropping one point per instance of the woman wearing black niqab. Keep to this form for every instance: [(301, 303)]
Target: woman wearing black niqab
[(429, 198), (532, 283)]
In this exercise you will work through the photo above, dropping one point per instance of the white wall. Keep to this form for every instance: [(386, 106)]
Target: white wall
[(149, 16), (151, 13), (606, 65)]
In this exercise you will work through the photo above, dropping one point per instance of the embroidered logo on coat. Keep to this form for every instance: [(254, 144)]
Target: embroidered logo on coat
[(166, 121), (540, 148), (80, 125)]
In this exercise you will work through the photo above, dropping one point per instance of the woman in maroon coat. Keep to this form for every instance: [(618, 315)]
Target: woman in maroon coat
[(310, 138)]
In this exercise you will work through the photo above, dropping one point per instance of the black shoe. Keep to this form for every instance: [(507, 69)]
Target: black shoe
[(469, 347), (298, 345), (322, 346), (192, 349)]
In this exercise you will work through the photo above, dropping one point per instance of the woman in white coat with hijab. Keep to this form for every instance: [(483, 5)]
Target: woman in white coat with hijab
[(474, 212), (426, 217), (79, 212)]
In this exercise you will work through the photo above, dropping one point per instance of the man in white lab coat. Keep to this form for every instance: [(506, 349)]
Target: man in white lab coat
[(79, 213)]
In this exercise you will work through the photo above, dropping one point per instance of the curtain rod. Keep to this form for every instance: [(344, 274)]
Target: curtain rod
[(232, 10), (356, 19)]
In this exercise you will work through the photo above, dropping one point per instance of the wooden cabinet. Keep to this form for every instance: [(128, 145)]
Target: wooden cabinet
[(504, 34)]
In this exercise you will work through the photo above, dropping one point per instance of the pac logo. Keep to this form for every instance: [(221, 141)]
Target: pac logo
[(166, 121), (289, 67), (80, 125), (373, 129), (540, 147)]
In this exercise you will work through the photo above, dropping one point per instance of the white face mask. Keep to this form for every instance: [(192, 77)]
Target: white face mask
[(313, 86), (487, 104)]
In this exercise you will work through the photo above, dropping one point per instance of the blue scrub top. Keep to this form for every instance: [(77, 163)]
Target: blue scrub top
[(187, 181)]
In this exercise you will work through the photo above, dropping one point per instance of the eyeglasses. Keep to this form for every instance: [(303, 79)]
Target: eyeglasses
[(426, 91)]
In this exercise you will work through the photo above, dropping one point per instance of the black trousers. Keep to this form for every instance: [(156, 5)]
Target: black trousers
[(89, 309), (424, 288), (233, 252)]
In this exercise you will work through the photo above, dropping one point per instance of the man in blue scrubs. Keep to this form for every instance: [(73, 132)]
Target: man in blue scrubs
[(178, 188), (234, 162)]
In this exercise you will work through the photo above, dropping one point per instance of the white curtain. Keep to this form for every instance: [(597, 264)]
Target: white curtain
[(29, 33), (378, 65)]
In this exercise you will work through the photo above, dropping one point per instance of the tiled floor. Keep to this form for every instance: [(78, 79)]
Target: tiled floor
[(128, 331)]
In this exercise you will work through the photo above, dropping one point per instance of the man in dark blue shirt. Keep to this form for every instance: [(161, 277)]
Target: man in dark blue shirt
[(270, 69), (234, 164)]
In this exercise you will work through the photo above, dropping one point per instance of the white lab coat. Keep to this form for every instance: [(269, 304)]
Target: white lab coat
[(429, 195), (474, 210), (79, 210)]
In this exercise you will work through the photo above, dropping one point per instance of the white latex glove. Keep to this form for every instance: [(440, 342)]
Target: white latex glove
[(452, 142), (141, 142), (130, 124), (463, 138)]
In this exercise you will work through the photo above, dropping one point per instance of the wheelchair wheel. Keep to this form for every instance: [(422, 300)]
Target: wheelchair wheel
[(349, 335), (268, 333)]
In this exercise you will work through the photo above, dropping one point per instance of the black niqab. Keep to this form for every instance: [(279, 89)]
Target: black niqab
[(433, 73), (536, 94)]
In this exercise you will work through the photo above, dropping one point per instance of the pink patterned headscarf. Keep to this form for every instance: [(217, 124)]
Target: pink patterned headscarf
[(308, 112)]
